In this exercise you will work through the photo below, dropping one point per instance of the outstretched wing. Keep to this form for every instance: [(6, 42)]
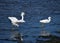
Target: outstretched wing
[(13, 19), (44, 21)]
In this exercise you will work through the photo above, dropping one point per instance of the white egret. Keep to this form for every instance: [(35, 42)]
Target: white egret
[(15, 21), (46, 20)]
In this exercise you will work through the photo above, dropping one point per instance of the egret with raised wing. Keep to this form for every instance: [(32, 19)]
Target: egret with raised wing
[(15, 21)]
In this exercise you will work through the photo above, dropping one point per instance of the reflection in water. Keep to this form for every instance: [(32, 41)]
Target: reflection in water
[(48, 39), (38, 39)]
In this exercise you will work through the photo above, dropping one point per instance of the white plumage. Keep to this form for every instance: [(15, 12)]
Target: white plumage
[(15, 21), (46, 20), (43, 32)]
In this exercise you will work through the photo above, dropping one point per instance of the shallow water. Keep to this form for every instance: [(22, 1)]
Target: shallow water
[(35, 10)]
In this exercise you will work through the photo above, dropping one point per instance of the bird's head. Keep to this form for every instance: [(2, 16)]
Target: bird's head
[(49, 17), (22, 13)]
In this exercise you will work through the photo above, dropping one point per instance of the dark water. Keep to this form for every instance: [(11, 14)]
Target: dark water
[(35, 10)]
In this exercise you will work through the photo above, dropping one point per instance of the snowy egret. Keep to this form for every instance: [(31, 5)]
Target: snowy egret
[(15, 21), (46, 20)]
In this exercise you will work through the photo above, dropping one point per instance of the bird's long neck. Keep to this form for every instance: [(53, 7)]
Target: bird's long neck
[(49, 19), (22, 17)]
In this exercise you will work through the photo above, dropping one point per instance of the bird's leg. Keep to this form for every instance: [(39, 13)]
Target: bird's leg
[(12, 29), (43, 25)]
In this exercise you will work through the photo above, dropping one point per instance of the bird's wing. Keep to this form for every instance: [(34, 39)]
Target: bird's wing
[(14, 19), (43, 20)]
